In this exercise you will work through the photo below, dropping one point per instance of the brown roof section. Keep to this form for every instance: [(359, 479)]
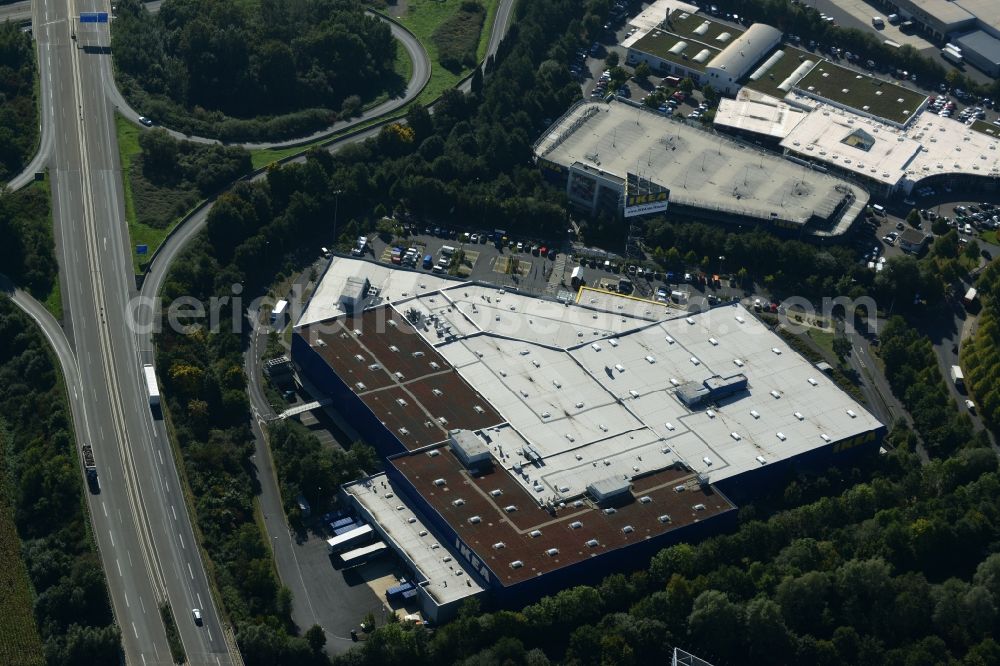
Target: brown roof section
[(413, 402), (514, 528)]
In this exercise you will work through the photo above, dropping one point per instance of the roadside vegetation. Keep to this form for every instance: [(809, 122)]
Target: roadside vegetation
[(242, 71), (452, 32), (165, 178), (18, 111), (457, 38), (27, 248), (20, 644), (981, 353), (306, 468), (42, 482)]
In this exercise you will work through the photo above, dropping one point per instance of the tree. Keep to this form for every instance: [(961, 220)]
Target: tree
[(642, 71), (316, 638), (841, 347), (612, 59), (913, 217), (687, 85)]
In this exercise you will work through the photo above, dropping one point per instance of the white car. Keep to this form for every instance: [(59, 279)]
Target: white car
[(971, 406), (145, 121), (197, 616)]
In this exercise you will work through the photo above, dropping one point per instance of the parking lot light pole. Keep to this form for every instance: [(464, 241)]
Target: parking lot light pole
[(336, 207)]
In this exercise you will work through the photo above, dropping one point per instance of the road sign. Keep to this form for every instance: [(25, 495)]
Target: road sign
[(141, 249), (93, 17)]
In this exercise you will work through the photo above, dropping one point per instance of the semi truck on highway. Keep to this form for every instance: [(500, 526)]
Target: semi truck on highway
[(90, 467), (957, 377), (151, 388)]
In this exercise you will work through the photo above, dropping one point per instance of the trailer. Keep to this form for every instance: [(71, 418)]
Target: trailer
[(954, 57), (152, 389), (90, 468), (359, 556), (341, 522), (576, 277), (398, 591), (349, 539), (346, 527)]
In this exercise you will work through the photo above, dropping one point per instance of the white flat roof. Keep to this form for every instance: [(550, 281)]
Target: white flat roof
[(393, 285), (700, 169), (656, 13), (598, 405), (447, 579), (821, 137), (756, 112), (930, 145), (587, 394)]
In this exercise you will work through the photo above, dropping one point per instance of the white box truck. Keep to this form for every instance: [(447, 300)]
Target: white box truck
[(957, 377), (151, 387), (576, 278)]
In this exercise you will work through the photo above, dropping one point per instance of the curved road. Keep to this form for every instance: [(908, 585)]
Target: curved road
[(135, 513), (304, 612), (419, 78)]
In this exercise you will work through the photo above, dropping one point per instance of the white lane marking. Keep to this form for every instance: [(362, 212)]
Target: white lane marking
[(174, 511), (143, 604), (105, 243), (161, 456), (118, 564), (143, 658), (200, 605), (134, 630), (105, 507), (190, 570), (129, 552), (181, 537), (210, 639), (126, 599), (112, 538), (167, 486)]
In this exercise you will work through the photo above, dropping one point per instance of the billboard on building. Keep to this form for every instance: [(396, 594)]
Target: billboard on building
[(644, 197)]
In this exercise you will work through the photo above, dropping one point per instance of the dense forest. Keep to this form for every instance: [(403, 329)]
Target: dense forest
[(981, 353), (18, 114), (27, 249), (42, 472), (265, 69)]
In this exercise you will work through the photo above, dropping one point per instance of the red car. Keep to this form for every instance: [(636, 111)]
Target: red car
[(543, 251)]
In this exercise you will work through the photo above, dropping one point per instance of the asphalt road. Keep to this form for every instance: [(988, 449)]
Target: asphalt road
[(140, 518), (419, 78)]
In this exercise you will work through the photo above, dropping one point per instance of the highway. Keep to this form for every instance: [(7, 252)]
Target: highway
[(140, 517)]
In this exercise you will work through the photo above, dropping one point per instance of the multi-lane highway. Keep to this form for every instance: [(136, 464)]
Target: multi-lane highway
[(140, 517)]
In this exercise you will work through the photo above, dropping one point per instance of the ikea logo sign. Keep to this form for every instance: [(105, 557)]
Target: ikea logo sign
[(857, 440), (477, 565), (642, 199)]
